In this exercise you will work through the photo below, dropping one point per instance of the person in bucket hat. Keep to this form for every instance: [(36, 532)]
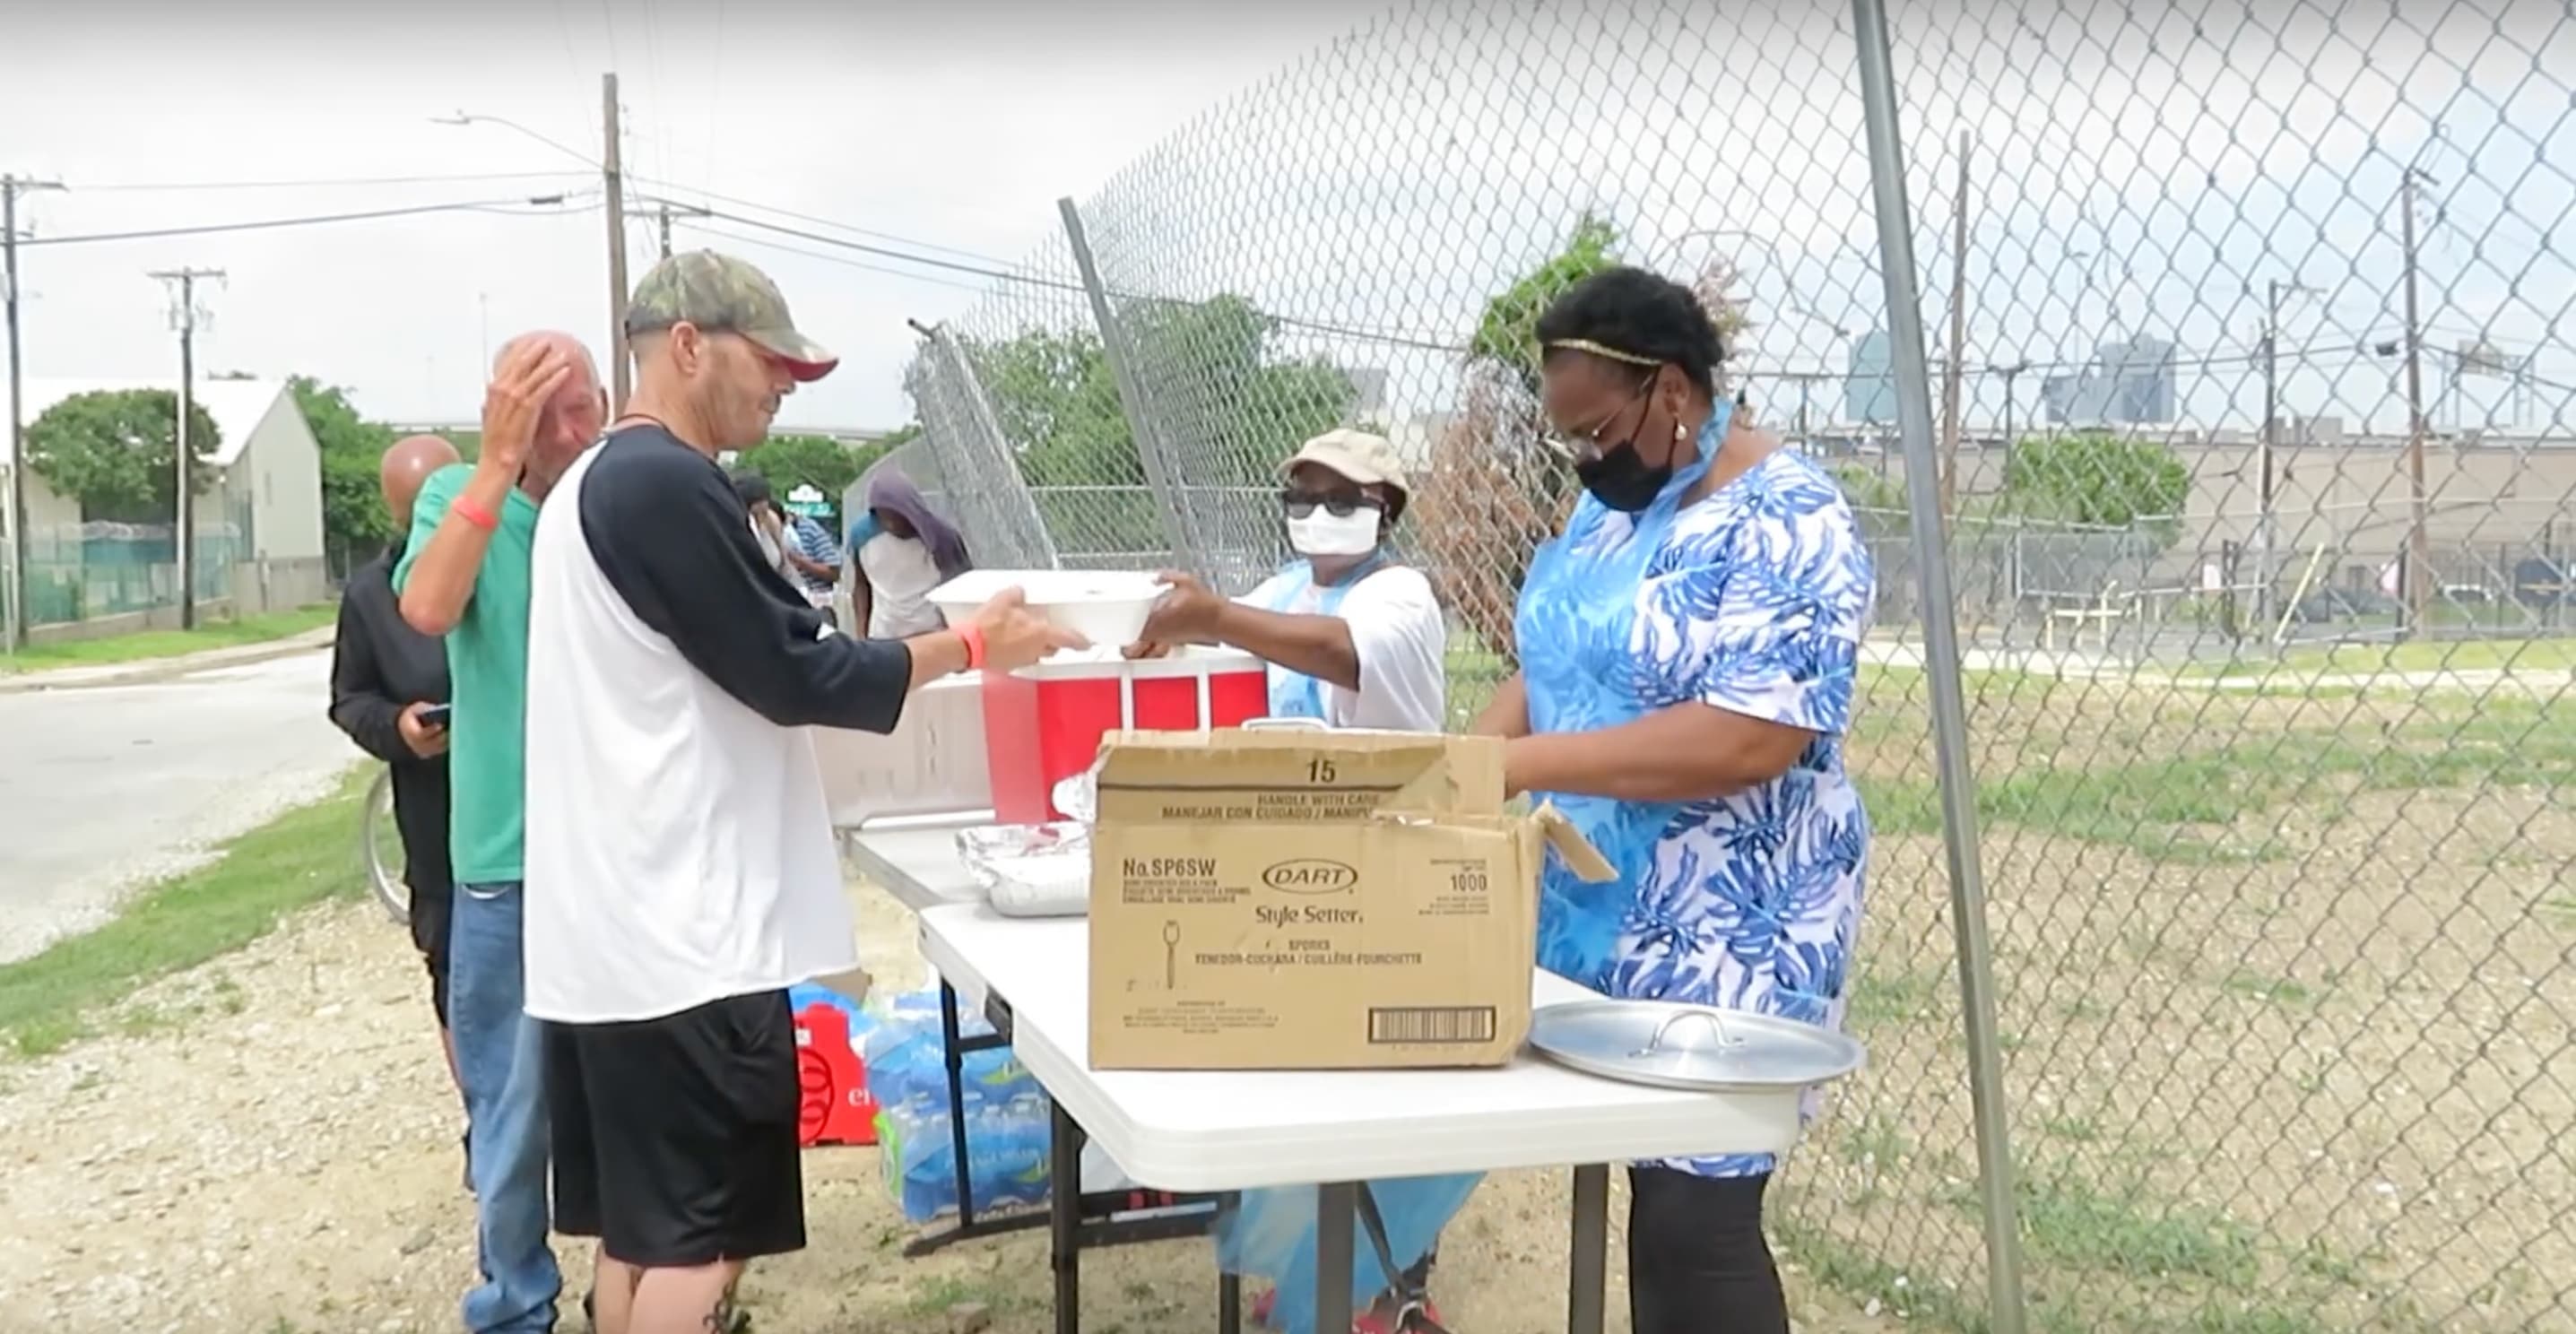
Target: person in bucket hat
[(1352, 638)]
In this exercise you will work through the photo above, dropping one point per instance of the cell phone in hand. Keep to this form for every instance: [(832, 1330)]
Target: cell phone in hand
[(436, 715)]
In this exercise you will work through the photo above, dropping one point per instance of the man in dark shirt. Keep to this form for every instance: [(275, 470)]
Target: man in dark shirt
[(383, 675)]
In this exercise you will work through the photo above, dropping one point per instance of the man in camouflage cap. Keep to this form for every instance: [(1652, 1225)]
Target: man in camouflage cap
[(682, 874), (715, 350)]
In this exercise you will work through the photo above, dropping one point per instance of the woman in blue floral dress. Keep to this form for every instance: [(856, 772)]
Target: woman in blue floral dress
[(1687, 649)]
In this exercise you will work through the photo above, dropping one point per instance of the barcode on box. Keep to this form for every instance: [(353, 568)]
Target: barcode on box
[(1430, 1024)]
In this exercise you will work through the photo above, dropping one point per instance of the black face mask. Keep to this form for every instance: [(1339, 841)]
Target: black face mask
[(1618, 474), (1619, 478)]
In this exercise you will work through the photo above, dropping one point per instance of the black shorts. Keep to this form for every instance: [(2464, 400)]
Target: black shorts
[(675, 1138), (430, 914)]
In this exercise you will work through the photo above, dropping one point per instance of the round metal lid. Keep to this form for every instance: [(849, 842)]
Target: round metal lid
[(1696, 1047)]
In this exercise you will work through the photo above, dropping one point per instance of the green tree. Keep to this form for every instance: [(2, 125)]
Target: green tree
[(1210, 375), (1213, 385), (352, 448), (791, 461), (1508, 331), (116, 452), (2098, 478)]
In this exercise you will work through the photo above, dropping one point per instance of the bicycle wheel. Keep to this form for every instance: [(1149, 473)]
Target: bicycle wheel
[(378, 836)]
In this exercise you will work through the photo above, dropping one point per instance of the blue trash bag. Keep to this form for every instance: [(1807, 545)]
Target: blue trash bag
[(1272, 1235)]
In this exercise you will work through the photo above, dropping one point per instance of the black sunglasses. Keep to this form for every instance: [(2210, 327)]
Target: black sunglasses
[(1341, 505)]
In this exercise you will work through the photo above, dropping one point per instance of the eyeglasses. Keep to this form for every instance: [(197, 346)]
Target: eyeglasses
[(1586, 443), (1341, 505)]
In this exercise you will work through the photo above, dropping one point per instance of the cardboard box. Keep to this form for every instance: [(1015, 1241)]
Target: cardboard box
[(1313, 900)]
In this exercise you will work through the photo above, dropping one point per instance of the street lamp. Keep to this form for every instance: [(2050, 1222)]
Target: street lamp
[(471, 118), (613, 195)]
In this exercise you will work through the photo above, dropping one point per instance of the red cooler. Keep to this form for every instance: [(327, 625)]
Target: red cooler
[(1043, 724)]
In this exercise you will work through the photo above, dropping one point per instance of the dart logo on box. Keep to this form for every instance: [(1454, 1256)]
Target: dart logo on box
[(1312, 900)]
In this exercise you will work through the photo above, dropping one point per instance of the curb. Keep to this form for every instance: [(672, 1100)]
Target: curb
[(151, 670)]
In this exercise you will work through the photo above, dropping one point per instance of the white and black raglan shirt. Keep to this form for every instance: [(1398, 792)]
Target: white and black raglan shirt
[(679, 849)]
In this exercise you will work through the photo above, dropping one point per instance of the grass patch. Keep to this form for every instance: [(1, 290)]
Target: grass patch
[(145, 645), (2464, 655), (1858, 1274), (298, 859), (2180, 808), (935, 1296), (2070, 1222), (1880, 998), (2277, 990)]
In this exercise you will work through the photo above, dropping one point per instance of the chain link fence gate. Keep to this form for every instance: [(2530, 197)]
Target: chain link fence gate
[(2245, 331)]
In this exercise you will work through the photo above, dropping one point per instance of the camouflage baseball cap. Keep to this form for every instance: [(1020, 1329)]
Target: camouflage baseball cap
[(719, 293)]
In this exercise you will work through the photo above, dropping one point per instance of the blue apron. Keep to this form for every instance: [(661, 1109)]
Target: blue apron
[(1293, 694), (1573, 627), (1271, 1232)]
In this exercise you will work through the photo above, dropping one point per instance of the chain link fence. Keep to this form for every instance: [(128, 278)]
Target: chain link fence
[(2250, 387)]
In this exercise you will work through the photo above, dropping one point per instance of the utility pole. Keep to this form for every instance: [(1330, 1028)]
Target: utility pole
[(2267, 465), (13, 629), (663, 211), (183, 317), (2419, 553), (1952, 382), (613, 182), (2010, 373)]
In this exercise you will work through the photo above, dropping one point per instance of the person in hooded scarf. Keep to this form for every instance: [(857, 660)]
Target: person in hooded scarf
[(902, 549)]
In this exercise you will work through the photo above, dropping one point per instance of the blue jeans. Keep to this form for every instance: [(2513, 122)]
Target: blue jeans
[(499, 1057)]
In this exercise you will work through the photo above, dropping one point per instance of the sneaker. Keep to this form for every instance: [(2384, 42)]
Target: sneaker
[(1378, 1319), (1383, 1318)]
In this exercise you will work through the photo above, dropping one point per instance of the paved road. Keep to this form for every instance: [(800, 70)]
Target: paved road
[(107, 787)]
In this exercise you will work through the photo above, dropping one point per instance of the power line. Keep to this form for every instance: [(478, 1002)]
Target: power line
[(915, 243), (842, 260), (932, 261), (1395, 337), (531, 207), (326, 182)]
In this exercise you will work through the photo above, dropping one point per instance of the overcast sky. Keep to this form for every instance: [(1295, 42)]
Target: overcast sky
[(952, 124), (2145, 171)]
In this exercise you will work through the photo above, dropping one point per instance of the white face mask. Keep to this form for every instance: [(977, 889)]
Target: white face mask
[(1324, 533)]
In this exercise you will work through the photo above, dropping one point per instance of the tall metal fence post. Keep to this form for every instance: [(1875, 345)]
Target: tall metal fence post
[(1186, 549), (1012, 512), (1941, 658)]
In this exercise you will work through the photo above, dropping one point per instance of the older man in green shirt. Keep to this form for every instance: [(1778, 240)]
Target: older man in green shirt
[(464, 575)]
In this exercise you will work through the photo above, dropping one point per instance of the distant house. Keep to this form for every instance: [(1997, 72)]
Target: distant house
[(259, 522)]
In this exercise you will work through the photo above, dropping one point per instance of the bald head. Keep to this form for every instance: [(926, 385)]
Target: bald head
[(572, 419), (554, 338), (408, 464)]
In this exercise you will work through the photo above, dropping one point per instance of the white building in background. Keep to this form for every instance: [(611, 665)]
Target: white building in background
[(266, 493)]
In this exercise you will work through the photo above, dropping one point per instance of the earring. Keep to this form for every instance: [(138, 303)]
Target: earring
[(1680, 432)]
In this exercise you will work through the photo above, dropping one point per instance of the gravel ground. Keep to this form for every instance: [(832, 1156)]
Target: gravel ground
[(269, 1145)]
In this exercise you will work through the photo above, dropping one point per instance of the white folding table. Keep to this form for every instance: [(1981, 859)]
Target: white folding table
[(916, 861), (1224, 1131)]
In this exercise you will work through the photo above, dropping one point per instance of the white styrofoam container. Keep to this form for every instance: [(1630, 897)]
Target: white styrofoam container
[(933, 763), (1107, 607)]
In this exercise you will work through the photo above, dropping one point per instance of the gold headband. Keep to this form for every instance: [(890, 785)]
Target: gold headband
[(1600, 350)]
